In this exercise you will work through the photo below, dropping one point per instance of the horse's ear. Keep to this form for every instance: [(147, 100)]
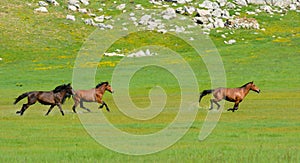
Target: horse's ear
[(69, 84)]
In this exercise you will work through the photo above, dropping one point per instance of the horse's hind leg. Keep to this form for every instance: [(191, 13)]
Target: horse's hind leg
[(31, 101), (24, 107), (104, 104), (212, 101), (81, 105), (211, 104), (51, 107)]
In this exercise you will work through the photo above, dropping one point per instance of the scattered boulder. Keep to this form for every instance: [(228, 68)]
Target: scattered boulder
[(54, 2), (141, 53), (168, 14), (121, 7), (43, 4), (241, 2), (232, 41), (113, 54), (222, 3), (41, 9), (85, 2), (83, 10), (70, 17), (72, 7), (99, 19)]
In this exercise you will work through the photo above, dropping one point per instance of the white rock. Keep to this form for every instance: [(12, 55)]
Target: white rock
[(145, 19), (222, 3), (85, 2), (190, 10), (230, 5), (83, 10), (54, 2), (218, 23), (206, 4), (181, 1), (203, 13), (99, 19), (132, 14), (89, 22), (241, 2), (217, 13), (267, 8), (230, 42), (70, 17), (163, 31), (293, 7), (41, 9), (179, 29), (180, 10), (73, 2), (43, 4), (72, 7), (251, 12), (100, 9), (113, 54), (121, 6), (168, 14), (1, 59), (108, 17), (139, 7)]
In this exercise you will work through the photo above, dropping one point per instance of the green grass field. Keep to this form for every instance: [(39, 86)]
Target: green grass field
[(39, 51)]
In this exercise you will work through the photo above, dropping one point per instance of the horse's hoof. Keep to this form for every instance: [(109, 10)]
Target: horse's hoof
[(18, 112), (88, 110), (229, 109)]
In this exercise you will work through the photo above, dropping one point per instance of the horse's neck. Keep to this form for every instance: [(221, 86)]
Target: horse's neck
[(100, 90), (61, 93), (246, 89)]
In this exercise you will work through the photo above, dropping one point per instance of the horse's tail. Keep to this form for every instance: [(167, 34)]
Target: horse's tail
[(204, 93), (21, 97)]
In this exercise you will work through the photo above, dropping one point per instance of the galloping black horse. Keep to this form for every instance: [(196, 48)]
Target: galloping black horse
[(53, 98)]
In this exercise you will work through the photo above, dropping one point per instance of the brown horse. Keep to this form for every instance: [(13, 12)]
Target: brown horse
[(235, 95), (53, 98), (92, 95)]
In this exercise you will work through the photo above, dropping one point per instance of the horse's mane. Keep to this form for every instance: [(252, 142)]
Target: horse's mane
[(100, 84), (60, 88), (246, 84)]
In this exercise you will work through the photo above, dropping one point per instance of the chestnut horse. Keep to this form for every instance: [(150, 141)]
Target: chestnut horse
[(235, 95), (92, 95), (53, 98)]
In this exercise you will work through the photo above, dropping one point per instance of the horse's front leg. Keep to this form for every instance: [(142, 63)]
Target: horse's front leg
[(104, 104), (235, 107), (59, 106), (51, 107)]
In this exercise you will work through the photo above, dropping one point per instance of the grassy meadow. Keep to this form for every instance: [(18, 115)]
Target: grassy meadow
[(38, 52)]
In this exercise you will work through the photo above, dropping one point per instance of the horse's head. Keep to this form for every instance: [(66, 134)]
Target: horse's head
[(253, 87), (106, 86), (69, 89)]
